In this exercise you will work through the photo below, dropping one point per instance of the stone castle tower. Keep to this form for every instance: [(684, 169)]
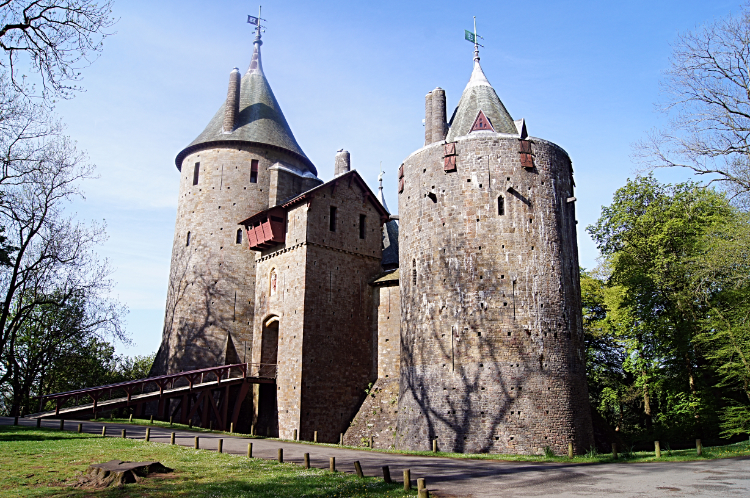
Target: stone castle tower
[(491, 331), (245, 160), (462, 323)]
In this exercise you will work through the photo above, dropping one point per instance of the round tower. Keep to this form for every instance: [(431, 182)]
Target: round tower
[(243, 162), (492, 344)]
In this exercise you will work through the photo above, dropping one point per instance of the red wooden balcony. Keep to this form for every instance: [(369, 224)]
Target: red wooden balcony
[(265, 229)]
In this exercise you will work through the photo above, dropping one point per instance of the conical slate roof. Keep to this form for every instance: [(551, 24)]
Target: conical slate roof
[(479, 95), (259, 121)]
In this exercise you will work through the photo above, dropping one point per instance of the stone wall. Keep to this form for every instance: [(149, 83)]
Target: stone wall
[(491, 334)]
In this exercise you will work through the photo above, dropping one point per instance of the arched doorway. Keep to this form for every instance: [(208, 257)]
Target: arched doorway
[(268, 415)]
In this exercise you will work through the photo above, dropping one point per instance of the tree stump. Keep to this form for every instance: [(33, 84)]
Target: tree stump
[(117, 472)]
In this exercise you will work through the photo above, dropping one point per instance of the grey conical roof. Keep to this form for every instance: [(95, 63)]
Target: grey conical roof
[(479, 95), (260, 119)]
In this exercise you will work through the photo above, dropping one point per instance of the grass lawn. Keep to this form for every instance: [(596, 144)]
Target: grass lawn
[(43, 462), (667, 455)]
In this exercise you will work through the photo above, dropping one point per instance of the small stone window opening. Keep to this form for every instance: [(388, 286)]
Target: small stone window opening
[(362, 219), (254, 171), (501, 206), (238, 240), (187, 242), (332, 220), (196, 173)]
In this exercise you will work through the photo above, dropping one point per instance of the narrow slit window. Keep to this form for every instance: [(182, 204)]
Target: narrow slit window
[(500, 206), (362, 219), (239, 236), (187, 241), (196, 173), (254, 171), (332, 226), (414, 276)]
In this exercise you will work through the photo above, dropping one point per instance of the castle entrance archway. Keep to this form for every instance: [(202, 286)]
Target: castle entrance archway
[(268, 413)]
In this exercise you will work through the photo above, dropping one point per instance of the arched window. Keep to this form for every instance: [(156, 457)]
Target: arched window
[(187, 243), (238, 240), (500, 206), (272, 282)]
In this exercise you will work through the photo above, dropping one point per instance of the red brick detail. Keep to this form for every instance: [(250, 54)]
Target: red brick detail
[(450, 149), (481, 123), (450, 163)]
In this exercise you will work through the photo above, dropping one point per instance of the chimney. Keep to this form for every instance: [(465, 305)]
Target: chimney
[(428, 119), (438, 115), (232, 107), (343, 163)]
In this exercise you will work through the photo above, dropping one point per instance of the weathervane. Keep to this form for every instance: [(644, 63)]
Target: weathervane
[(380, 176), (256, 21), (472, 37)]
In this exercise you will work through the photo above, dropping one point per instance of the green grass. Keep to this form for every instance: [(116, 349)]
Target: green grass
[(709, 452), (43, 462)]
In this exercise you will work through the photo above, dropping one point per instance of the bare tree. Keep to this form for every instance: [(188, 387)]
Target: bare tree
[(53, 39), (707, 88), (54, 262)]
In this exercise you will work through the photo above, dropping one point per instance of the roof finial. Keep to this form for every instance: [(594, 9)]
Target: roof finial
[(476, 42), (256, 21), (255, 64), (474, 38), (380, 176)]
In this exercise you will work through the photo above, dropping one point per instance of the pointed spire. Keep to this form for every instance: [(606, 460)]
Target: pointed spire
[(479, 96), (381, 197)]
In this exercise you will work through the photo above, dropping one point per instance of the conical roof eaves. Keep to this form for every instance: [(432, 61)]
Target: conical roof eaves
[(260, 119), (479, 95)]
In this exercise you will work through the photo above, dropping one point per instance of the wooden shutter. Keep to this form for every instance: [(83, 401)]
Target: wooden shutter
[(527, 159), (400, 185), (450, 163), (401, 171), (450, 149)]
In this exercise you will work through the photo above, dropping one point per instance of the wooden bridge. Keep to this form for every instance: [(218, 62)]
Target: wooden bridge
[(207, 392)]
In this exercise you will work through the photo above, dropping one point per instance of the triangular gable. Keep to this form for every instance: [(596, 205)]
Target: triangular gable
[(481, 123)]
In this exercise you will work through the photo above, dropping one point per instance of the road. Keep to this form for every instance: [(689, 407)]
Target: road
[(448, 477)]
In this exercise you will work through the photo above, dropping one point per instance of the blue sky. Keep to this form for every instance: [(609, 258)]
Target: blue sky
[(353, 75)]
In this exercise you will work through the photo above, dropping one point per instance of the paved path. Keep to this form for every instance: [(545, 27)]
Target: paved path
[(448, 477)]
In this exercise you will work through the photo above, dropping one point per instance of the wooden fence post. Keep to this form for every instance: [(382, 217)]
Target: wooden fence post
[(197, 443), (220, 448), (332, 464), (249, 450), (698, 447), (104, 431), (80, 428), (614, 451), (657, 449), (124, 435), (315, 437), (358, 469), (148, 433), (386, 474), (306, 460), (407, 480), (171, 438), (570, 450), (281, 455)]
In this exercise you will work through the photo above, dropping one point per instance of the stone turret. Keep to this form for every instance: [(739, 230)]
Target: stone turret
[(244, 161), (491, 328)]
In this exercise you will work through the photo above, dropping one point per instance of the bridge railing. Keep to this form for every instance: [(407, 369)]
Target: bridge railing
[(162, 382)]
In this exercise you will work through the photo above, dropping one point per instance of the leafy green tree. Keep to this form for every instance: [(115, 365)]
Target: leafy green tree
[(650, 236)]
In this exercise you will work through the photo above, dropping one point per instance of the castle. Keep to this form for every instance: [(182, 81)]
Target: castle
[(459, 323)]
